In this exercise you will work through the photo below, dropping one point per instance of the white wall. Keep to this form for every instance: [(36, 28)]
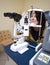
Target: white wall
[(43, 4), (18, 6), (9, 6)]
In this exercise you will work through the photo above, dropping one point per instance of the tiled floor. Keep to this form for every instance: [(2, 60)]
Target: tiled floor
[(3, 58), (10, 62), (6, 60)]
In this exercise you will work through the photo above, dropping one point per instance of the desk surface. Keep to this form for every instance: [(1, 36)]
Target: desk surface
[(21, 59)]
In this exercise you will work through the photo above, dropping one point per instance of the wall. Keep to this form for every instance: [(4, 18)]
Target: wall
[(18, 6), (43, 4), (9, 6)]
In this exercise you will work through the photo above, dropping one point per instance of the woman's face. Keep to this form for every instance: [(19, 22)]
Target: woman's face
[(33, 18)]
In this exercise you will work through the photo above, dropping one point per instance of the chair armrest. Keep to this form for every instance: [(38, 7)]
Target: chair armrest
[(38, 47)]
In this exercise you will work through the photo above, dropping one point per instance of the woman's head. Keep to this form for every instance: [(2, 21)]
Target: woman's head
[(35, 17)]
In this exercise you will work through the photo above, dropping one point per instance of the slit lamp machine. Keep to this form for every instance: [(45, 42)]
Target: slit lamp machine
[(22, 26)]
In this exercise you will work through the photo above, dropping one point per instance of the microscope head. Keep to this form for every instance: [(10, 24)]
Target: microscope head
[(14, 16)]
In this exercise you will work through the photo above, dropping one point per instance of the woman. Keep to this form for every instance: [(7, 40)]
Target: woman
[(37, 17)]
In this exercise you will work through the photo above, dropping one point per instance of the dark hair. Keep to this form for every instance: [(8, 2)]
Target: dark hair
[(38, 16)]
